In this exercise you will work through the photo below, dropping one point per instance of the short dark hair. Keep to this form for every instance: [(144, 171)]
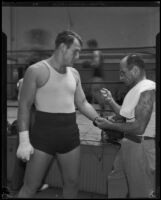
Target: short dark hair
[(133, 59), (67, 37)]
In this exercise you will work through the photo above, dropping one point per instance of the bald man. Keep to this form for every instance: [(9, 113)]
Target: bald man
[(135, 160)]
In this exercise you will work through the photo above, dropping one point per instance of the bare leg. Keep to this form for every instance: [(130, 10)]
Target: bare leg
[(70, 167), (34, 174)]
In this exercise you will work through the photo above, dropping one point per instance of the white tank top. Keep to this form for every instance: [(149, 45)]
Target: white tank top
[(57, 95)]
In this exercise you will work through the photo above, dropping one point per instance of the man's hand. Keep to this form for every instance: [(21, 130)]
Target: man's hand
[(106, 94), (24, 151), (112, 135), (102, 123), (117, 118)]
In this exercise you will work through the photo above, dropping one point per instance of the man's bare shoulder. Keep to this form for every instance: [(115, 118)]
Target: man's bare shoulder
[(146, 102), (148, 95), (74, 70), (37, 69), (75, 74)]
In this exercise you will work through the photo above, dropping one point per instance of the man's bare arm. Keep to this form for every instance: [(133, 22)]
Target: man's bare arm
[(27, 95), (26, 98), (80, 99), (110, 101), (144, 109), (143, 113), (114, 106)]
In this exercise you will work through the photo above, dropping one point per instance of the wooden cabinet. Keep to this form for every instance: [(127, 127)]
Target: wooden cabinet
[(11, 155)]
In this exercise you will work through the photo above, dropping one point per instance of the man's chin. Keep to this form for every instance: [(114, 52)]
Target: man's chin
[(69, 64)]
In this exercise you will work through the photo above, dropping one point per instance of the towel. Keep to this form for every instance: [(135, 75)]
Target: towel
[(132, 97)]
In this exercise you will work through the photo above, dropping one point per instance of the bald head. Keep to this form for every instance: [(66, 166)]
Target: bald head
[(132, 60), (132, 69)]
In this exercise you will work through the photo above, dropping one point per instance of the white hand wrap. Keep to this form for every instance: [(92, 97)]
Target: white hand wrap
[(24, 137), (25, 149)]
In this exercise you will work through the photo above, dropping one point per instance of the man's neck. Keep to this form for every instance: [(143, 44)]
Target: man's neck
[(55, 62), (138, 81)]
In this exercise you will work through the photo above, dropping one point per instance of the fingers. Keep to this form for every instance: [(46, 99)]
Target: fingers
[(106, 95), (105, 92), (25, 157), (100, 119), (28, 157), (104, 89), (103, 123), (24, 160), (100, 122)]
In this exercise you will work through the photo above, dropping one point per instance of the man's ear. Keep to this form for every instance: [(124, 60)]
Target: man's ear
[(136, 70), (63, 47)]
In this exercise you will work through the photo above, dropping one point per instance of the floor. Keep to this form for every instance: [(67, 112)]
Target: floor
[(56, 193)]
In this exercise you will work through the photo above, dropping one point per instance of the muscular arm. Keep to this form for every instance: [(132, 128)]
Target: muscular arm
[(80, 100), (26, 98), (143, 113), (19, 88)]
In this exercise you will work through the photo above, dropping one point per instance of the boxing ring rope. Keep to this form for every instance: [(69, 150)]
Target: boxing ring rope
[(110, 55), (149, 50)]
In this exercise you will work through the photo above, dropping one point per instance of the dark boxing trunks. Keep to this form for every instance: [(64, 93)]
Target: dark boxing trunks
[(55, 132)]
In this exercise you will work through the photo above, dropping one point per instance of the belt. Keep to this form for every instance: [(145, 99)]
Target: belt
[(137, 138)]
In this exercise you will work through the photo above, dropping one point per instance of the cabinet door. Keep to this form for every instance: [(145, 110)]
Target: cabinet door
[(11, 155)]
